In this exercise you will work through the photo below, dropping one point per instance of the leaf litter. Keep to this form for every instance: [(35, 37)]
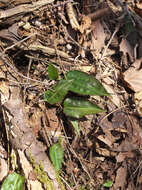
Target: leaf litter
[(102, 39)]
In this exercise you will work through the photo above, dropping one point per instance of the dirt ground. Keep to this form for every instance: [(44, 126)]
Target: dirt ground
[(100, 37)]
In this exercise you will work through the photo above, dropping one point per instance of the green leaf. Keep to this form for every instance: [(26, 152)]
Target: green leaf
[(78, 107), (109, 183), (56, 155), (13, 182), (85, 84), (58, 92), (76, 127), (52, 72)]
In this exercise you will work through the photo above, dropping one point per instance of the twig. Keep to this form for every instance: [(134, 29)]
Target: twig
[(3, 57), (65, 182), (109, 42), (63, 3), (112, 112), (99, 13), (19, 42), (21, 9), (48, 50)]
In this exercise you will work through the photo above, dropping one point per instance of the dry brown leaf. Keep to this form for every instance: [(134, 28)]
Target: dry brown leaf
[(72, 17), (133, 76), (105, 152), (54, 128), (126, 48), (85, 24), (139, 5), (11, 33), (27, 169), (4, 89), (35, 121), (109, 140), (123, 155), (120, 180), (3, 169), (98, 36), (138, 102), (84, 68), (114, 97)]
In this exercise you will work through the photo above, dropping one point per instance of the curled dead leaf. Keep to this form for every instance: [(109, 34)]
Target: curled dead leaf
[(133, 76)]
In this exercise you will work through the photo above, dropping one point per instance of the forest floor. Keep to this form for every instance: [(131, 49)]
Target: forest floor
[(40, 42)]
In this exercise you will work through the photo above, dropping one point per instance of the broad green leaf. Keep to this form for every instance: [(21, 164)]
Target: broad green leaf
[(56, 155), (52, 72), (76, 127), (78, 107), (108, 183), (13, 182), (85, 84), (58, 92)]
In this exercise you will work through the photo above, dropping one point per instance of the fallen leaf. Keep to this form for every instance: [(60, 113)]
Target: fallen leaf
[(72, 17), (108, 139), (126, 48), (133, 76), (54, 126), (3, 169), (98, 36), (11, 33), (114, 97), (138, 101), (4, 89), (35, 121), (120, 180), (124, 155), (85, 24), (105, 152), (139, 5), (27, 169)]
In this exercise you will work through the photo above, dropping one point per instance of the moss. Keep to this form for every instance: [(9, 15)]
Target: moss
[(41, 174), (43, 177)]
